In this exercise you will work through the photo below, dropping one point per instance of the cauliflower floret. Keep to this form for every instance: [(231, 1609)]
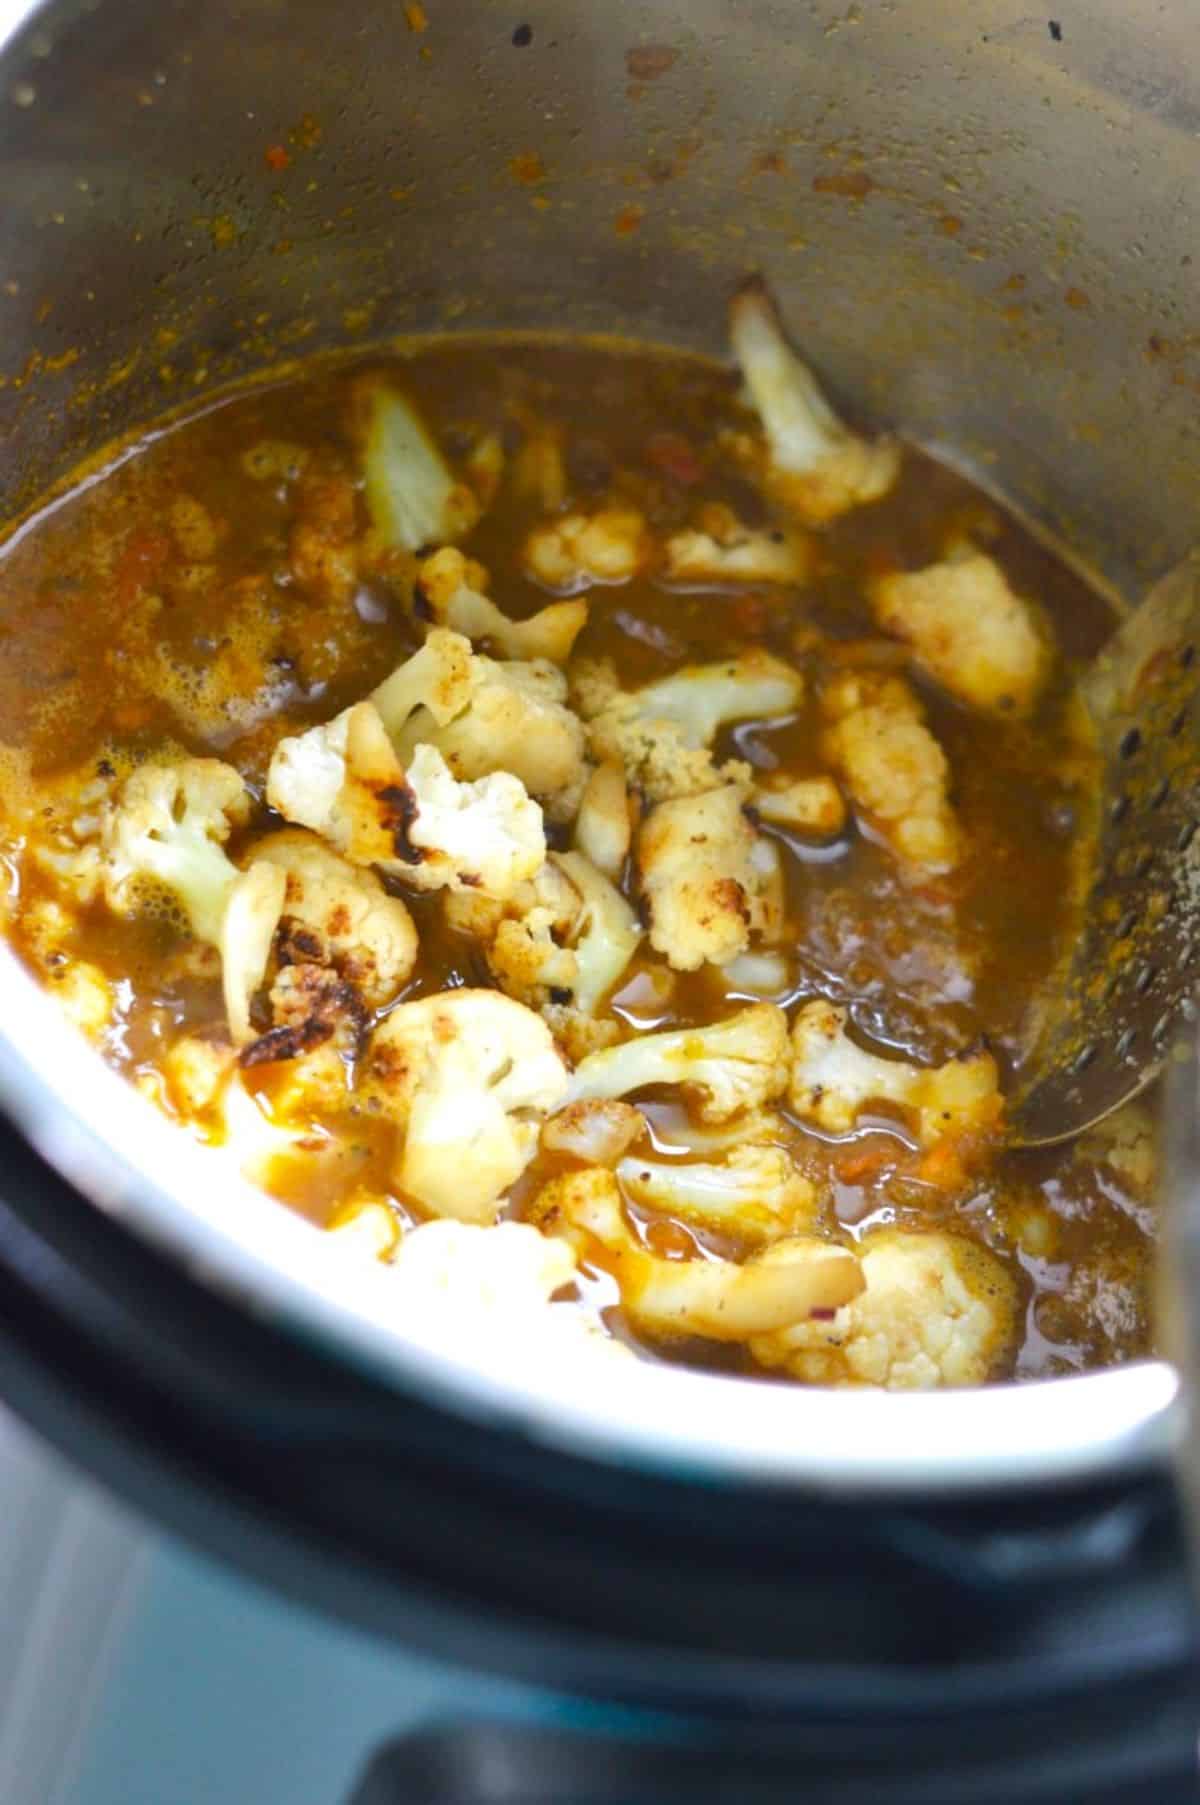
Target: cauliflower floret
[(539, 470), (937, 1310), (346, 782), (166, 830), (597, 1133), (367, 1227), (490, 1290), (1126, 1140), (467, 1075), (661, 733), (84, 995), (832, 1079), (604, 824), (559, 945), (735, 1064), (485, 835), (196, 1068), (450, 588), (767, 975), (720, 549), (607, 932), (804, 805), (517, 723), (413, 498), (893, 767), (247, 935), (754, 1193), (578, 550), (339, 916), (969, 631), (709, 881), (440, 678), (816, 467), (713, 1298)]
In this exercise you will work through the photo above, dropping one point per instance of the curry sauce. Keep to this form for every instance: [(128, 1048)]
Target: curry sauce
[(223, 586)]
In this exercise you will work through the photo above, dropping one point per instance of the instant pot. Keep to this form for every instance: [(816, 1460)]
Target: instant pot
[(980, 220)]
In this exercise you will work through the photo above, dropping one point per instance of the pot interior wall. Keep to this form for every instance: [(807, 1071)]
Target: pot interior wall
[(978, 220)]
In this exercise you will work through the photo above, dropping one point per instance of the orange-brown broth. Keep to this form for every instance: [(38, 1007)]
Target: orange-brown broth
[(92, 590)]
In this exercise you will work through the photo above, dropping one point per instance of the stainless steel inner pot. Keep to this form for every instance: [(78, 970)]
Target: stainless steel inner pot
[(981, 222)]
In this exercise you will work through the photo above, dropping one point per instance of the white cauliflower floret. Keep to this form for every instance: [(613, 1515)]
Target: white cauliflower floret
[(714, 1298), (516, 722), (578, 550), (661, 732), (832, 1079), (754, 1193), (412, 495), (339, 915), (604, 824), (893, 767), (597, 1133), (804, 805), (720, 549), (467, 1075), (937, 1310), (451, 589), (709, 881), (486, 835), (491, 1291), (440, 678), (816, 467), (606, 932), (733, 1065), (969, 631), (166, 831)]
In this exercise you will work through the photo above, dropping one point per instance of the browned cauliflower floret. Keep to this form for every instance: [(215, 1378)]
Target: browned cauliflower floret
[(597, 1133), (335, 914), (937, 1310), (720, 549), (714, 1298), (578, 550), (733, 1065), (662, 732), (346, 782), (969, 631), (467, 1075), (805, 805), (450, 589), (708, 880), (893, 767), (516, 722), (815, 466), (833, 1079)]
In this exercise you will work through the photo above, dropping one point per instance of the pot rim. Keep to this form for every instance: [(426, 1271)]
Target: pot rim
[(111, 1144)]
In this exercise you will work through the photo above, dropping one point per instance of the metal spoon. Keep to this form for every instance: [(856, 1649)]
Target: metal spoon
[(1106, 1021)]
